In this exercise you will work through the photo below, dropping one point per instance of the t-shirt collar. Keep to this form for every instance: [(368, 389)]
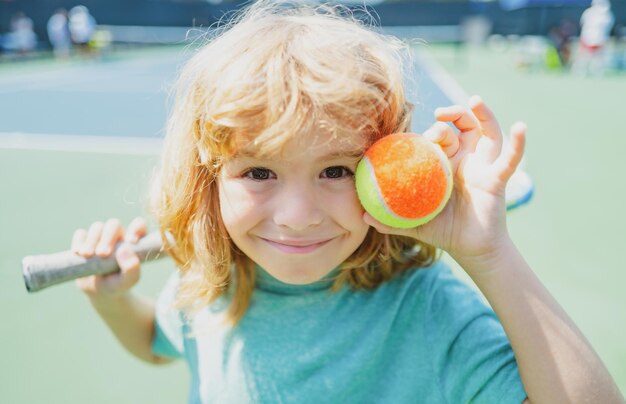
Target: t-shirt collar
[(267, 282)]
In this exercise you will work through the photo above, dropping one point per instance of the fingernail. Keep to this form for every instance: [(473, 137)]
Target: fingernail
[(520, 126), (475, 100)]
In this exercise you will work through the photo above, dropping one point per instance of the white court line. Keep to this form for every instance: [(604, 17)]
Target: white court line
[(81, 144), (457, 95), (442, 78), (152, 146)]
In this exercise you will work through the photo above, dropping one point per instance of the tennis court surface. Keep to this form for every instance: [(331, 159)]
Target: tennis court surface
[(78, 143)]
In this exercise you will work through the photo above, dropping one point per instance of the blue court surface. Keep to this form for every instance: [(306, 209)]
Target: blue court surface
[(78, 143)]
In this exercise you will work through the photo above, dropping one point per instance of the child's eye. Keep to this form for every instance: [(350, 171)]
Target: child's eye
[(259, 174), (337, 172)]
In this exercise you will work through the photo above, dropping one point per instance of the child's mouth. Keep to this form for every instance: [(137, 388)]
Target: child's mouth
[(297, 246)]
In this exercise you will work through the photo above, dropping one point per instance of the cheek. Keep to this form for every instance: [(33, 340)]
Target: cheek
[(347, 213), (346, 204), (237, 205)]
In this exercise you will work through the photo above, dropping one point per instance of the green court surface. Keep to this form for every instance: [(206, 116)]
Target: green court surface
[(56, 350), (572, 233)]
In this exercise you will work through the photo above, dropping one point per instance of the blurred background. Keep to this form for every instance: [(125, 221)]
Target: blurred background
[(84, 95)]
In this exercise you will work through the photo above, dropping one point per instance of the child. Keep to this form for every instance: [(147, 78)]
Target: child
[(286, 291)]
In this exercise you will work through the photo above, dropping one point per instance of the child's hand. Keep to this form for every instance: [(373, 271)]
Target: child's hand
[(473, 224), (100, 240)]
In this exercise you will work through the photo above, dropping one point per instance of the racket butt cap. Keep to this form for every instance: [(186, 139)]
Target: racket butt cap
[(27, 274)]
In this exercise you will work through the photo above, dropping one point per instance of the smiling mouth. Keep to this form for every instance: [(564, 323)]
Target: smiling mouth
[(296, 247)]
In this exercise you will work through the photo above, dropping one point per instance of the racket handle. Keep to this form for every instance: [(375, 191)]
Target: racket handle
[(42, 271)]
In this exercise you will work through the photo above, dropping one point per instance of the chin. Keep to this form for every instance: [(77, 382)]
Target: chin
[(298, 276)]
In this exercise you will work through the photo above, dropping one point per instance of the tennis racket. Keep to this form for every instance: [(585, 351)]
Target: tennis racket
[(42, 271)]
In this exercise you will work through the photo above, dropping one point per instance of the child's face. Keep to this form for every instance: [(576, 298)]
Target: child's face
[(296, 215)]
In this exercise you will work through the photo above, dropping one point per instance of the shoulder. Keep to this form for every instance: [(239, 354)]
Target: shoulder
[(168, 340), (419, 292), (167, 296), (437, 296)]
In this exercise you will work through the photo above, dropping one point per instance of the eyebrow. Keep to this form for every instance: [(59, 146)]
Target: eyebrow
[(351, 153), (354, 153)]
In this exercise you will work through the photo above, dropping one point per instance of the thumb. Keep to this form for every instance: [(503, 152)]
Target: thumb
[(126, 258), (380, 227), (384, 229)]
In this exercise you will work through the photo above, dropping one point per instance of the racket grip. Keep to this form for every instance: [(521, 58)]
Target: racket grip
[(42, 271)]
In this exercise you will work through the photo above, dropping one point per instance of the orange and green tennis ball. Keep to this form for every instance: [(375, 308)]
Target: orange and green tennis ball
[(404, 180)]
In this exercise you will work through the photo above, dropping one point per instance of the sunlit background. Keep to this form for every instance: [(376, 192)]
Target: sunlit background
[(82, 113)]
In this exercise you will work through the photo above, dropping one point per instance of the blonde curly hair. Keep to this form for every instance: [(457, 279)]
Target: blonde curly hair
[(272, 72)]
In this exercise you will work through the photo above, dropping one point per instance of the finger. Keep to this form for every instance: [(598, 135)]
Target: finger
[(129, 264), (111, 234), (93, 236), (489, 145), (486, 118), (78, 238), (511, 156), (459, 116), (86, 283), (442, 134), (384, 229), (465, 121), (369, 219), (136, 229)]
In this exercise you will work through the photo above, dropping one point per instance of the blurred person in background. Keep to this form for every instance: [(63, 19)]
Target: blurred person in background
[(22, 38), (596, 23), (561, 37), (82, 26), (59, 33), (619, 51)]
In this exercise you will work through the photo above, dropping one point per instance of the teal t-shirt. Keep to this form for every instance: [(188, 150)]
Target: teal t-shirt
[(424, 337)]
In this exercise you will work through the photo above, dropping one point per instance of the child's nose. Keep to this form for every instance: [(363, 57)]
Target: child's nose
[(298, 208)]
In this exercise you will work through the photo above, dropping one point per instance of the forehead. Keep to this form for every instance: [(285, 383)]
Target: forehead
[(295, 146)]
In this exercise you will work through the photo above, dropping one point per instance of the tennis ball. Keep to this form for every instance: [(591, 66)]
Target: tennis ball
[(404, 180)]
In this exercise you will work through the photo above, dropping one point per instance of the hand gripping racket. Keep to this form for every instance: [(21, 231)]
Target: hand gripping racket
[(42, 271)]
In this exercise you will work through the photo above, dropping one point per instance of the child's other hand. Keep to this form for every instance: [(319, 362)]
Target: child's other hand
[(100, 240), (473, 224)]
